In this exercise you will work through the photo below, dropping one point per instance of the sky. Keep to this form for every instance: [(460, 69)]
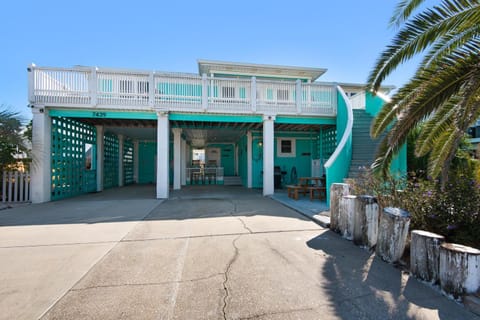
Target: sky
[(346, 37)]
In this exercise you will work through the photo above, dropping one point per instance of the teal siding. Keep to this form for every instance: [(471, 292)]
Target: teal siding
[(339, 169), (147, 152), (373, 104), (306, 149), (227, 157), (242, 160), (399, 164)]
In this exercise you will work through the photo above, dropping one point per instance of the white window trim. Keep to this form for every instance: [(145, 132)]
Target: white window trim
[(292, 154)]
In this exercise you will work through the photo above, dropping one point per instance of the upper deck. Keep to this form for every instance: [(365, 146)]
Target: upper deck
[(116, 89)]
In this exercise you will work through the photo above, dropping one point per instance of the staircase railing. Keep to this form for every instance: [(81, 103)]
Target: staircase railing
[(338, 164)]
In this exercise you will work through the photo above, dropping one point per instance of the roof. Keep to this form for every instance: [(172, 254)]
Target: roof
[(260, 70)]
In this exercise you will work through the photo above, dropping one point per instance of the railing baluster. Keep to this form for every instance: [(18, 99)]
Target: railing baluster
[(298, 95), (15, 187), (204, 92)]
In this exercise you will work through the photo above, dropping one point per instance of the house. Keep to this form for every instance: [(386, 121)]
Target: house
[(259, 126)]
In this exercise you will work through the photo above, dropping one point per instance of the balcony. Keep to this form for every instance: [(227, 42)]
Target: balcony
[(84, 87)]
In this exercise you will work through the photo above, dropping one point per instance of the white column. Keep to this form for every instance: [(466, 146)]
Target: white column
[(120, 159), (183, 162), (177, 143), (249, 159), (268, 156), (135, 161), (100, 155), (163, 141), (41, 143)]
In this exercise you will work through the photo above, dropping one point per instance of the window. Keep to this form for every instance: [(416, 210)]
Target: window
[(286, 147), (228, 92)]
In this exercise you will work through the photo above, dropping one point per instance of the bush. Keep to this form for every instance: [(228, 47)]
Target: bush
[(452, 211)]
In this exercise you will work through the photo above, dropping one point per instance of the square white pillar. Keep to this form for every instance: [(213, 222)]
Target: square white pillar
[(268, 156), (100, 156), (41, 171), (177, 137), (163, 157), (121, 140), (249, 159)]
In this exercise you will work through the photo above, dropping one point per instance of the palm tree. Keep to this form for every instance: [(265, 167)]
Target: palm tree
[(444, 93), (11, 139)]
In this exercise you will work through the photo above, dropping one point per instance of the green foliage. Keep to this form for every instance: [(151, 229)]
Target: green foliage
[(444, 93), (11, 139), (453, 213)]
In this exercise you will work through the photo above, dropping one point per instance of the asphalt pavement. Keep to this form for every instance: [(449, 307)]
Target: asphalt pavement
[(206, 253)]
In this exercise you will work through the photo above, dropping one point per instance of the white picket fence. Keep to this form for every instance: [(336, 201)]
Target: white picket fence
[(15, 186)]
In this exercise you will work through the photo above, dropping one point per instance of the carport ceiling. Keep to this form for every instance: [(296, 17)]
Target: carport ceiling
[(197, 133)]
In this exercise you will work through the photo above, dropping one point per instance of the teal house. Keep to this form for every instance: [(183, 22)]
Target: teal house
[(258, 126)]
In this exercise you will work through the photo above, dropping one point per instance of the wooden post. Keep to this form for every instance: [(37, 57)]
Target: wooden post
[(392, 235), (337, 191), (345, 216), (425, 255), (459, 269), (365, 221)]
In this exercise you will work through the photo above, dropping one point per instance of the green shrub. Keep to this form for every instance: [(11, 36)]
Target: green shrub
[(452, 211)]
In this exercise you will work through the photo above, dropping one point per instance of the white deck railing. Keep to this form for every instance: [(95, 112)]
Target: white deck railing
[(359, 101), (119, 89), (15, 186)]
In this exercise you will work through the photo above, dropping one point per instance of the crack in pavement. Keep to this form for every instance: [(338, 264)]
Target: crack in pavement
[(258, 316), (149, 283), (234, 211), (225, 274)]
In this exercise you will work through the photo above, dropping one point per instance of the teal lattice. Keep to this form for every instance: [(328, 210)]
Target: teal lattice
[(110, 161), (329, 141), (71, 172), (127, 162)]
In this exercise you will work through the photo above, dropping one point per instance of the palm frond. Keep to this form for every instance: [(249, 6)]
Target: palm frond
[(403, 11), (423, 31), (433, 128)]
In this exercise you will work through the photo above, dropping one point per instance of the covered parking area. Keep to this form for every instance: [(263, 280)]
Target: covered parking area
[(159, 148)]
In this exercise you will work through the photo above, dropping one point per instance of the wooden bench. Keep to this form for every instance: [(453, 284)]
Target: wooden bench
[(320, 190), (293, 191)]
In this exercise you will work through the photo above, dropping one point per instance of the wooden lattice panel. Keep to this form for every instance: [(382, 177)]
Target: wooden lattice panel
[(70, 175), (110, 161)]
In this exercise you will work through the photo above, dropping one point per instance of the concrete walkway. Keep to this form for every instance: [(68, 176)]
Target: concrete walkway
[(206, 253)]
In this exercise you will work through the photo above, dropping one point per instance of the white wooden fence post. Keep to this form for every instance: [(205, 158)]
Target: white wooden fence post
[(425, 255), (337, 191), (392, 235), (345, 216), (365, 230), (459, 269), (4, 187)]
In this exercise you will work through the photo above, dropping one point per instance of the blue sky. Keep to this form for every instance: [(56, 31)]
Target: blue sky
[(346, 37)]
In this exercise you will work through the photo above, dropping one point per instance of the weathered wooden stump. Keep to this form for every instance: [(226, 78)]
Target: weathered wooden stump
[(459, 269), (345, 216), (337, 191), (392, 235), (365, 221), (425, 255)]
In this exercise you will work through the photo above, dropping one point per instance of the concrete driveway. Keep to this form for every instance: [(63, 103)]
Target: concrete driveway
[(206, 253)]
